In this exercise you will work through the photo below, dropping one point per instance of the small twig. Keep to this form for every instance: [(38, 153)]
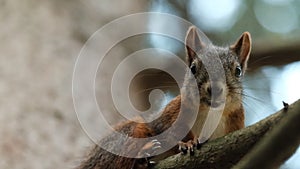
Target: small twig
[(285, 105)]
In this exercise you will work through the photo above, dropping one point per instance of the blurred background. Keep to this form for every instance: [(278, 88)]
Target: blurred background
[(40, 41)]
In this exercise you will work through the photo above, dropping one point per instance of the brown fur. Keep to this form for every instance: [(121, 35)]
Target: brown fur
[(235, 120)]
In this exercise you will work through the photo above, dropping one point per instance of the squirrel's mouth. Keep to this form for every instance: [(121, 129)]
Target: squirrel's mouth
[(214, 103)]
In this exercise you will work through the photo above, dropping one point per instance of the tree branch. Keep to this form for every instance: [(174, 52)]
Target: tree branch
[(277, 146), (226, 151)]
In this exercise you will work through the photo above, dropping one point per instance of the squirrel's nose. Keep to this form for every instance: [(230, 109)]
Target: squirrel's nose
[(217, 90)]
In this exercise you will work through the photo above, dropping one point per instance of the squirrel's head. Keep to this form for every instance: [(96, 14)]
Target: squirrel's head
[(230, 61)]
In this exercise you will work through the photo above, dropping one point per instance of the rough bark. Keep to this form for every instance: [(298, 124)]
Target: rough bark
[(227, 151), (277, 146)]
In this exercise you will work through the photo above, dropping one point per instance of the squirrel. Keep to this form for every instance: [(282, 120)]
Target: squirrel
[(234, 59)]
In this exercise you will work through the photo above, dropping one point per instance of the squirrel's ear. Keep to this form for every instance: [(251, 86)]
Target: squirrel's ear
[(192, 44), (242, 47)]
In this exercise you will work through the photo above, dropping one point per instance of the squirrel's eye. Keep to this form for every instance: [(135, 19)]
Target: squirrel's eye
[(238, 71), (193, 69)]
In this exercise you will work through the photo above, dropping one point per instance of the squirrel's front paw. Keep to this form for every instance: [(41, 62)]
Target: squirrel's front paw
[(189, 146), (185, 147), (148, 150)]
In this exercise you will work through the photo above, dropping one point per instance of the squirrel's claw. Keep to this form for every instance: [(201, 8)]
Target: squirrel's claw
[(199, 145), (155, 144)]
